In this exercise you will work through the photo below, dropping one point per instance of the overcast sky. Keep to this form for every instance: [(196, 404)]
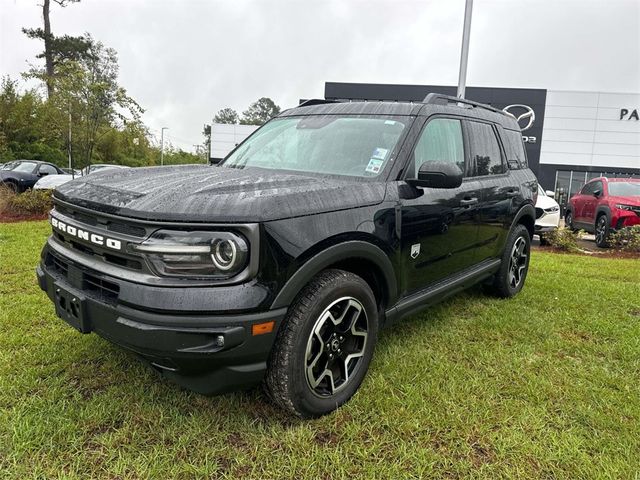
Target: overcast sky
[(183, 60)]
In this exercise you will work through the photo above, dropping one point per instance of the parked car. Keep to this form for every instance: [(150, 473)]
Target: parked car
[(52, 181), (74, 171), (605, 205), (547, 214), (21, 175), (99, 167), (281, 264)]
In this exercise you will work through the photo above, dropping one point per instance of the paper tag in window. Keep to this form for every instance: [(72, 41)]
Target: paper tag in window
[(380, 153), (374, 166)]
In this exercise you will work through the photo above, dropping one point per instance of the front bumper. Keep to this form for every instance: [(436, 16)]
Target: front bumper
[(625, 219), (547, 222), (204, 352)]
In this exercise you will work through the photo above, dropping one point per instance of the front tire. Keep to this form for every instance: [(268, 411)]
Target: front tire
[(515, 264), (602, 228), (324, 346)]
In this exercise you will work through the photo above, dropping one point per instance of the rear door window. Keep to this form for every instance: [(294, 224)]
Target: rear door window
[(485, 149)]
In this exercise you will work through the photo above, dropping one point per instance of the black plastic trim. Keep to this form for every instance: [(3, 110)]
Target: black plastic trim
[(334, 254), (443, 289)]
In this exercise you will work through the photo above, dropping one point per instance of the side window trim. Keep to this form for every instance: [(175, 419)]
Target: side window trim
[(465, 143)]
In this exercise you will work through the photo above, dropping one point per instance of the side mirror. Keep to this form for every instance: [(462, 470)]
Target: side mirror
[(43, 174), (437, 175), (596, 193), (550, 193)]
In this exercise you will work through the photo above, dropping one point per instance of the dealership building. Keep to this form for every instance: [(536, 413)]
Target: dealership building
[(570, 136)]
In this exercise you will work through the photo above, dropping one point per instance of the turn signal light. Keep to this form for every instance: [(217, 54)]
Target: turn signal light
[(262, 328)]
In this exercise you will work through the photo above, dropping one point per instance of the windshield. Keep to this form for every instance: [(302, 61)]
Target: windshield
[(24, 167), (624, 189), (324, 144)]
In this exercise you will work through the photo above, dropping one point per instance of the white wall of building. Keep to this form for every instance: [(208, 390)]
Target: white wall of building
[(225, 137), (585, 129)]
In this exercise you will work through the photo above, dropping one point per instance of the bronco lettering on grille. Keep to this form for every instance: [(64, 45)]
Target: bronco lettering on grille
[(86, 235)]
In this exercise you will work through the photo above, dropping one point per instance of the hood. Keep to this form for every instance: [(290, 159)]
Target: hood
[(633, 200), (199, 193), (545, 202)]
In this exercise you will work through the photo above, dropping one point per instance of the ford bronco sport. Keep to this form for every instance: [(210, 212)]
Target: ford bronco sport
[(281, 264)]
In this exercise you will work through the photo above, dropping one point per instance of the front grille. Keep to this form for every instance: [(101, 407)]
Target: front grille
[(106, 290), (539, 212), (90, 284), (126, 229), (58, 265)]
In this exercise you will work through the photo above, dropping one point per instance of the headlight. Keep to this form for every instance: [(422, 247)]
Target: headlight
[(553, 209), (622, 206), (204, 255)]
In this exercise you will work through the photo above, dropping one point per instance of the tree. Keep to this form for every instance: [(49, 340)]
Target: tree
[(226, 115), (260, 112), (88, 90), (56, 49), (29, 126)]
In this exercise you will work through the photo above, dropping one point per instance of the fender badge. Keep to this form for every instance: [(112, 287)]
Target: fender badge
[(415, 250)]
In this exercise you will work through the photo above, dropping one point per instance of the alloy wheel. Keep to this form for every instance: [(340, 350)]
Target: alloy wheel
[(336, 346), (601, 229), (518, 262)]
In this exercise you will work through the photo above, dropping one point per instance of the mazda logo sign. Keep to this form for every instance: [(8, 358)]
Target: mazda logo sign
[(524, 118)]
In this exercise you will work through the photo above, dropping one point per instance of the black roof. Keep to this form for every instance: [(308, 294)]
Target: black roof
[(385, 107)]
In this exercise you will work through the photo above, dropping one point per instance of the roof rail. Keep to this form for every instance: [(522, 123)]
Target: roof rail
[(316, 101), (440, 99)]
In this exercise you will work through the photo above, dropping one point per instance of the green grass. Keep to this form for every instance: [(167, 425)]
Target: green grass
[(545, 385)]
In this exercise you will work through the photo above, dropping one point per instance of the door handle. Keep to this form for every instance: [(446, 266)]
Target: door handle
[(467, 202), (512, 192)]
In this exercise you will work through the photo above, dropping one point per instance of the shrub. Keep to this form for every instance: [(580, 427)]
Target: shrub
[(627, 239), (564, 239), (27, 204)]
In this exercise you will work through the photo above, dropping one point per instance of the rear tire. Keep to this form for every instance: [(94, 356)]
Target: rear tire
[(11, 186), (515, 264), (324, 346), (602, 229), (568, 221)]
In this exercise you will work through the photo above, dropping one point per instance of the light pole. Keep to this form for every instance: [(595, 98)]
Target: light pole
[(162, 145), (464, 54)]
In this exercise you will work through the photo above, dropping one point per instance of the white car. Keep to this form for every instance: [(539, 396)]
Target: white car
[(50, 182), (547, 214)]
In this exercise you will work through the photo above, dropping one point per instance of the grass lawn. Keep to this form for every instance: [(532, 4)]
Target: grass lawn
[(544, 385)]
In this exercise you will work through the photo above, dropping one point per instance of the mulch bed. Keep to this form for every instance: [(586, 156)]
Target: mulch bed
[(601, 253)]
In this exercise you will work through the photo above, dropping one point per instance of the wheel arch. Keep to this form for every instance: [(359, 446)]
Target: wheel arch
[(356, 256), (602, 210), (525, 216)]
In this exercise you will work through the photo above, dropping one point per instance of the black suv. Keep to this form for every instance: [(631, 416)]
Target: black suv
[(281, 264)]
